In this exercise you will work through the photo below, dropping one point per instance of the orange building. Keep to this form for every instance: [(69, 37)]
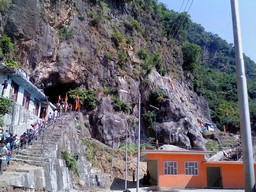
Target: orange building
[(180, 168)]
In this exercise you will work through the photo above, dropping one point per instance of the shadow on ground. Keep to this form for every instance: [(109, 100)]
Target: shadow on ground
[(118, 184)]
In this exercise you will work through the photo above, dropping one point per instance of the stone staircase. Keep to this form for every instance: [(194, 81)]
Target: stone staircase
[(37, 153), (45, 152)]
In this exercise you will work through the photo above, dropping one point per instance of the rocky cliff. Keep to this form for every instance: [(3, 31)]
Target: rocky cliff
[(94, 45)]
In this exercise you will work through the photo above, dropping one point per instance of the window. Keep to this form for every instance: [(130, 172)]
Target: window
[(170, 168), (26, 100), (14, 91), (191, 168), (36, 103)]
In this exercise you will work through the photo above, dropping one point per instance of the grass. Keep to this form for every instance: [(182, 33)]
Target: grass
[(21, 170), (133, 148), (71, 161), (213, 146), (97, 154), (79, 127)]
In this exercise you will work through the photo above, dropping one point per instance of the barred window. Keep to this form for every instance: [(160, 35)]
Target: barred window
[(191, 168), (170, 168)]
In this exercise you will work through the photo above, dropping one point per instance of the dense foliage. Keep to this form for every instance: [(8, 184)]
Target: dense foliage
[(5, 108), (5, 4), (216, 79), (87, 98), (191, 55), (209, 58), (120, 105), (71, 161), (6, 46), (65, 34), (12, 63)]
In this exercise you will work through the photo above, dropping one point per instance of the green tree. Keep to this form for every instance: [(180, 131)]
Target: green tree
[(191, 55), (87, 97), (5, 4), (6, 45), (5, 108), (149, 118)]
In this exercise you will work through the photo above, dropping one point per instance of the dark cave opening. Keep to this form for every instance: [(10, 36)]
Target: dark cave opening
[(57, 89)]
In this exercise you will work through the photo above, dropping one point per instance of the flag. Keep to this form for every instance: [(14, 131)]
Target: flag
[(59, 99), (77, 107)]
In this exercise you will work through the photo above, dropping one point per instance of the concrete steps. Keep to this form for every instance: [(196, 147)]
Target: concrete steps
[(28, 161), (40, 150)]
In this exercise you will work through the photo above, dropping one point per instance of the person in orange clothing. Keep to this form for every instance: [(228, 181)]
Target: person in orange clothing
[(78, 105), (59, 99)]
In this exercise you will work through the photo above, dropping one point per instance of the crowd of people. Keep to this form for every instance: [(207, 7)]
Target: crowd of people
[(10, 142), (63, 106)]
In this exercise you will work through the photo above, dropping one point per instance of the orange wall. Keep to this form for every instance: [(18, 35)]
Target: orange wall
[(232, 175), (181, 180)]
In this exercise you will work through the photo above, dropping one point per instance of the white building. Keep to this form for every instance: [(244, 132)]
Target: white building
[(30, 103)]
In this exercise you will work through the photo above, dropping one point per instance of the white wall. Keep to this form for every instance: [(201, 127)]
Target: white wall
[(20, 120), (20, 95)]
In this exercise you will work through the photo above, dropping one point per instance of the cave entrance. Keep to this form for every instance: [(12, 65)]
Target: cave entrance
[(57, 89)]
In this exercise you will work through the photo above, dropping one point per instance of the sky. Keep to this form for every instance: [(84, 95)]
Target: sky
[(215, 17)]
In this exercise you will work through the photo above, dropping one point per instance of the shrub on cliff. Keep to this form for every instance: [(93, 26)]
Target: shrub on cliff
[(191, 55), (71, 161), (87, 98), (120, 105), (6, 45), (12, 63), (65, 33), (118, 38), (5, 4)]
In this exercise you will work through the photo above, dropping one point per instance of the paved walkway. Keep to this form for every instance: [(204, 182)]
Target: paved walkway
[(146, 189), (186, 190)]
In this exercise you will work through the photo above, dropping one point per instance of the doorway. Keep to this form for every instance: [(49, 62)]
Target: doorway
[(152, 171), (214, 178)]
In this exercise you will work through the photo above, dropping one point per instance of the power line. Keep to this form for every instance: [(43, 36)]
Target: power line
[(181, 5), (179, 12), (182, 19)]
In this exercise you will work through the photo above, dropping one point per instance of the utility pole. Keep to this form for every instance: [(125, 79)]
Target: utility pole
[(126, 160), (245, 126), (126, 150), (138, 155)]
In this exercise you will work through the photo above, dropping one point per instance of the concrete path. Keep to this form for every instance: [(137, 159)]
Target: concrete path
[(146, 189)]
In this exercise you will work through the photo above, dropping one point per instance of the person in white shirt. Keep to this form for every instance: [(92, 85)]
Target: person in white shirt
[(49, 117), (56, 114)]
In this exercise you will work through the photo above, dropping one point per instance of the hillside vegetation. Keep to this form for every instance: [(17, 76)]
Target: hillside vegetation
[(211, 60)]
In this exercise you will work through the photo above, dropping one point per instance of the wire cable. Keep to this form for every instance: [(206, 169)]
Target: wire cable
[(173, 26), (183, 19), (181, 5)]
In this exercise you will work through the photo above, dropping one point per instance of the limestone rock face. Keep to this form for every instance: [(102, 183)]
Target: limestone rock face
[(178, 119), (92, 46)]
